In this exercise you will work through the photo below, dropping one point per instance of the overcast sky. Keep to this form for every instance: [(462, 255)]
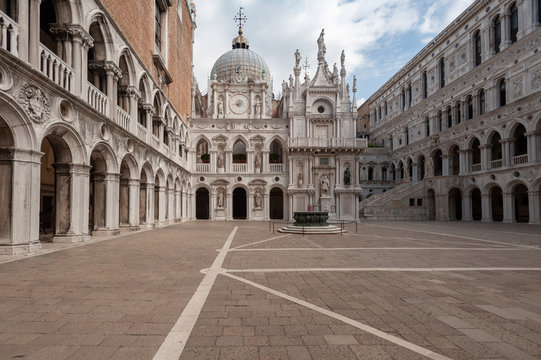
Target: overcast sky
[(378, 36)]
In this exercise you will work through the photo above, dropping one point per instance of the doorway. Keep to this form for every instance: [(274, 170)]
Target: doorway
[(239, 203)]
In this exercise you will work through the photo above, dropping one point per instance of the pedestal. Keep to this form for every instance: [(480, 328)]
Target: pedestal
[(219, 214), (257, 214)]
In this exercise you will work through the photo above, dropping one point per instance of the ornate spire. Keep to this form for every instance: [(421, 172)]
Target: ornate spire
[(354, 106), (321, 47), (240, 42)]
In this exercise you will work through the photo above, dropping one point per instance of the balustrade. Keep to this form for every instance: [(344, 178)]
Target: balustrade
[(494, 164), (55, 68), (98, 100), (276, 168), (520, 159), (141, 131), (123, 118), (476, 167), (327, 143), (9, 31), (240, 168), (202, 167)]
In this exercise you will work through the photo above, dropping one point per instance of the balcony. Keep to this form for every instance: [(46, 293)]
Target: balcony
[(276, 168), (142, 132), (520, 159), (55, 68), (240, 168), (202, 167), (476, 167), (98, 100), (335, 143), (9, 34), (122, 118), (494, 164)]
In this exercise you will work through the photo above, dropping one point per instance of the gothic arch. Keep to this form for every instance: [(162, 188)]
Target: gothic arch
[(19, 126), (237, 137), (126, 54), (97, 16)]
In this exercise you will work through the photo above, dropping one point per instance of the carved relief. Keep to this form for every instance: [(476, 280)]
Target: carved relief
[(35, 103), (536, 79), (517, 88)]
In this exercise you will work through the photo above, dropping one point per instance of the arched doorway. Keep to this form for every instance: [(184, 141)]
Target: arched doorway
[(438, 163), (431, 203), (143, 198), (476, 208), (455, 204), (276, 203), (520, 197), (124, 194), (202, 204), (421, 167), (98, 206), (455, 161), (239, 203), (496, 200), (156, 199), (6, 173)]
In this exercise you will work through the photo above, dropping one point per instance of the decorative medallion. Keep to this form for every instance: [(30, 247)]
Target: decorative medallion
[(35, 103)]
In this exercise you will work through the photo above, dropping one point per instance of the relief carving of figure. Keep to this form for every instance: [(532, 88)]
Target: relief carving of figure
[(258, 162), (347, 177), (258, 108), (221, 198), (220, 108), (258, 199), (324, 185)]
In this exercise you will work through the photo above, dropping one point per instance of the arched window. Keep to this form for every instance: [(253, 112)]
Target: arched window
[(455, 160), (442, 72), (482, 101), (202, 151), (239, 152), (275, 154), (96, 58), (458, 106), (520, 143), (384, 173), (391, 145), (497, 26), (495, 151), (408, 95), (427, 126), (513, 23), (425, 85), (477, 47), (438, 162), (385, 106), (469, 107), (502, 92), (476, 155), (403, 100), (449, 117), (141, 113), (406, 136)]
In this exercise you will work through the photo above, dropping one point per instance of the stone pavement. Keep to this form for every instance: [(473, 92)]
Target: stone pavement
[(394, 290)]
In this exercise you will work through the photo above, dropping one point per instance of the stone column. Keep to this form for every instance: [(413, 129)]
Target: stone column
[(178, 205), (485, 157), (506, 152), (265, 158), (466, 208), (150, 205), (534, 200), (133, 185), (19, 222), (76, 60), (33, 43), (486, 208), (72, 182), (414, 172), (463, 162), (161, 213), (133, 98), (506, 28), (531, 138), (111, 93), (445, 165), (124, 203), (112, 203), (508, 208)]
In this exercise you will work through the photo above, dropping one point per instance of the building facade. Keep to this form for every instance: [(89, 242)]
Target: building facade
[(254, 161), (462, 121), (93, 114)]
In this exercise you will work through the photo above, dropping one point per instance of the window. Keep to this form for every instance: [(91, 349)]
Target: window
[(158, 25), (502, 92), (379, 113), (370, 173), (514, 23), (440, 121), (539, 11), (469, 108), (497, 34), (385, 106), (427, 126), (407, 136), (458, 112), (449, 117), (425, 84), (402, 100), (408, 95), (477, 47), (442, 73), (481, 102), (391, 142)]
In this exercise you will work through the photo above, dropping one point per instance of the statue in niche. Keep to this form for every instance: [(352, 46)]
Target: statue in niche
[(258, 108), (324, 185), (220, 161), (347, 177), (220, 108), (297, 58), (258, 163), (299, 178), (258, 199), (221, 198)]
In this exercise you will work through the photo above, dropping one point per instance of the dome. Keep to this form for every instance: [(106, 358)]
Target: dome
[(240, 64)]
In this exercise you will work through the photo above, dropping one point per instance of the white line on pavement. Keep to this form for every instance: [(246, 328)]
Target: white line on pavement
[(174, 343), (261, 241), (385, 269), (383, 248), (393, 339)]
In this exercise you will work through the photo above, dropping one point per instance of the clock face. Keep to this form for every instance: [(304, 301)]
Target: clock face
[(238, 104)]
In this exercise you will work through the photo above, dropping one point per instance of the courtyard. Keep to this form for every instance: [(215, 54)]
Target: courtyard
[(236, 290)]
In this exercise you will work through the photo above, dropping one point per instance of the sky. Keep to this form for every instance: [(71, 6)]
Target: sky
[(378, 36)]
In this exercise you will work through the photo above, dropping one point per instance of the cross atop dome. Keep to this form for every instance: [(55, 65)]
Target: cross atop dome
[(240, 42)]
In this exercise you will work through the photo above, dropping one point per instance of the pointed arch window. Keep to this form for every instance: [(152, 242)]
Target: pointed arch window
[(497, 26), (513, 23), (477, 47)]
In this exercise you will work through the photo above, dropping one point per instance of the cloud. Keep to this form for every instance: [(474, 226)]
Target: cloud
[(276, 29)]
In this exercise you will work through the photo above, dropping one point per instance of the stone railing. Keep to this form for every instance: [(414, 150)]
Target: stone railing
[(520, 159), (202, 167), (142, 132), (346, 143), (240, 168), (122, 118), (55, 68), (276, 168), (98, 100), (476, 167), (9, 34), (494, 164)]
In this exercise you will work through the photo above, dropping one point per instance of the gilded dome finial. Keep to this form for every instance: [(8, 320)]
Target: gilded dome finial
[(240, 42)]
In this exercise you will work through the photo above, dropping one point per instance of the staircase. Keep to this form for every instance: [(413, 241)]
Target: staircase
[(395, 204)]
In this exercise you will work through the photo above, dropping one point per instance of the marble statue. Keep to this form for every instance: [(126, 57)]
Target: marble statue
[(347, 177), (324, 185), (220, 198), (258, 199)]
